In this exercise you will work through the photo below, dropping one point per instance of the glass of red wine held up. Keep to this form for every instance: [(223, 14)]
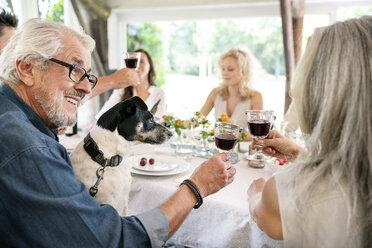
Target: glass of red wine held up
[(259, 125), (226, 136), (132, 59)]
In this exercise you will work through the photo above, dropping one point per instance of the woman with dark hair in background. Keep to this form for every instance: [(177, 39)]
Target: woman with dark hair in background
[(8, 22), (147, 90)]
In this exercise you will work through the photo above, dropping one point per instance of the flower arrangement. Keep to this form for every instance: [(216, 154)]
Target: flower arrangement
[(243, 136), (198, 120), (224, 118), (202, 121), (172, 121)]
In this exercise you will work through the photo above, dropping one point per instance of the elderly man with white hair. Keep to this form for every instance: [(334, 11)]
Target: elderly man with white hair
[(45, 71)]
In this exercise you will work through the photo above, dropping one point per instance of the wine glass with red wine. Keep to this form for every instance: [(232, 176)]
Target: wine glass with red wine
[(132, 59), (259, 125), (226, 135)]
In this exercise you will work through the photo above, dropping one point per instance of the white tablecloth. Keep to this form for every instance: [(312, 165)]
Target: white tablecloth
[(222, 221)]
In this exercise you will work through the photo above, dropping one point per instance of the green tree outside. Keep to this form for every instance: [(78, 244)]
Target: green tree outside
[(55, 11), (147, 36), (191, 41)]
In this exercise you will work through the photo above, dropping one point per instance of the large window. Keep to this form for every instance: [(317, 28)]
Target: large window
[(185, 54)]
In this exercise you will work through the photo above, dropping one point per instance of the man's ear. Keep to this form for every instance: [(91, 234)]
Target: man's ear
[(25, 72)]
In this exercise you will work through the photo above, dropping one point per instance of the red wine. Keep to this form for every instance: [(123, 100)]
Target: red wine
[(259, 127), (225, 141), (131, 62)]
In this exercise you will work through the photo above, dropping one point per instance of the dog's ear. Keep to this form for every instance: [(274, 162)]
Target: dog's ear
[(139, 103), (129, 107), (127, 110)]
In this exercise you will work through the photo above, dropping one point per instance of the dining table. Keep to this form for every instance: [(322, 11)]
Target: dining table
[(223, 220)]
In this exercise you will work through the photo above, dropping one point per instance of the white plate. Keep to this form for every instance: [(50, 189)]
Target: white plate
[(164, 150), (162, 163), (181, 167)]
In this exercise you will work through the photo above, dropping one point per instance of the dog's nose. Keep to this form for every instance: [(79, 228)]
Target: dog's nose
[(170, 134)]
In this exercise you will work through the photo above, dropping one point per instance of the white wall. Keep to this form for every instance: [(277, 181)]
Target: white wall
[(127, 11), (25, 9), (127, 4), (120, 17)]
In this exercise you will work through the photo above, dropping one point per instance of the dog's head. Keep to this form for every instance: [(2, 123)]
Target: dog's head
[(134, 122)]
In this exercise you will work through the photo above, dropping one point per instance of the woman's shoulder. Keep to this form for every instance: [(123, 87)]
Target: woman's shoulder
[(215, 92), (213, 95), (256, 100), (157, 90), (256, 94)]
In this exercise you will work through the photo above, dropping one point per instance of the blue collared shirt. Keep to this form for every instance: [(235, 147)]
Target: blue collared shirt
[(43, 204)]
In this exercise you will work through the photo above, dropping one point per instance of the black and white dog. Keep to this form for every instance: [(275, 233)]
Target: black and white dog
[(97, 160)]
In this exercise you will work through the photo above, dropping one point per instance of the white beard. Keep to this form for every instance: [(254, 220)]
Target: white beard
[(52, 105)]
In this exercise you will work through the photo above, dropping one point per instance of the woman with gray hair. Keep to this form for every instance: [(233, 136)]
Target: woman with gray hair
[(324, 198), (235, 95)]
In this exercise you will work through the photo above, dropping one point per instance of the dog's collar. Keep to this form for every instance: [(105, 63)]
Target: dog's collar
[(96, 154)]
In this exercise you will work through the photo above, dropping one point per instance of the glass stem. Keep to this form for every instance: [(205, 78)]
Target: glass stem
[(259, 148)]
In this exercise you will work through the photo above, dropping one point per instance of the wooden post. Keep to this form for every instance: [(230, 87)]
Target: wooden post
[(298, 10), (297, 38), (98, 7), (97, 59), (285, 10)]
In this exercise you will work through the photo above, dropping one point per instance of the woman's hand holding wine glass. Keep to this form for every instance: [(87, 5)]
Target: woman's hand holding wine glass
[(259, 125), (279, 146), (132, 59)]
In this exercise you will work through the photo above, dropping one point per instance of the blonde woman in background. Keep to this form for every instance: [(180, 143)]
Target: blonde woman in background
[(235, 95), (325, 198)]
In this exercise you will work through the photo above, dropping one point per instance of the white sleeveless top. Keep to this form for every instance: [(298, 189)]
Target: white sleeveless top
[(155, 94), (238, 115), (323, 222)]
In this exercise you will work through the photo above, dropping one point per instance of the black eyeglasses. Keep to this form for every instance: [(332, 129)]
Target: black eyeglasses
[(77, 73)]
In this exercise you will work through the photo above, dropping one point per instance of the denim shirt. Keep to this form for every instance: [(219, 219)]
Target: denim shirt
[(43, 204)]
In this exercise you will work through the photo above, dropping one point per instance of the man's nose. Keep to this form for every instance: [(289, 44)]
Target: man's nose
[(84, 86)]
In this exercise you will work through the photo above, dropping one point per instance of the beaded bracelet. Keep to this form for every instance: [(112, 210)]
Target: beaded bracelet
[(195, 191)]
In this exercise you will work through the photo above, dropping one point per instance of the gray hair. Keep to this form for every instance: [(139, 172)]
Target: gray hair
[(37, 41), (332, 90), (244, 62)]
